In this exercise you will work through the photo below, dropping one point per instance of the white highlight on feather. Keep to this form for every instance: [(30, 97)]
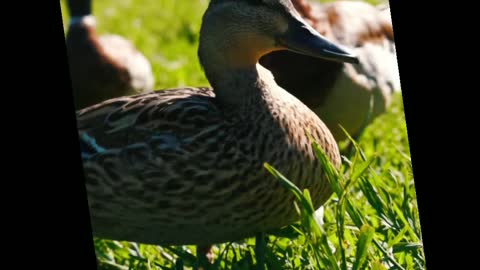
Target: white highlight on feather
[(88, 20)]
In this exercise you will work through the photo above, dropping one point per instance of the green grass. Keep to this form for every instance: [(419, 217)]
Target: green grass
[(371, 222)]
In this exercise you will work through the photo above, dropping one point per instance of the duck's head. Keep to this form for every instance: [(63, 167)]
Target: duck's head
[(79, 8), (239, 32), (81, 14)]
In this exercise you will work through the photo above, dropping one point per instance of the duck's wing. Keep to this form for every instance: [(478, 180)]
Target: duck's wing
[(151, 160), (165, 118)]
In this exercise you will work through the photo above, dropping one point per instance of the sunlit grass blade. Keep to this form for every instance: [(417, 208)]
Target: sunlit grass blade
[(403, 247), (358, 219), (331, 173), (362, 168), (308, 220), (353, 143), (373, 198), (364, 241), (341, 230), (397, 238), (378, 266), (312, 222), (292, 187), (359, 171), (188, 259), (406, 223), (403, 154), (111, 266)]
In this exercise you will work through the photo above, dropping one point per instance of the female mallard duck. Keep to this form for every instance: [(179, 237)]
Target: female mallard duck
[(102, 67), (340, 92), (185, 166)]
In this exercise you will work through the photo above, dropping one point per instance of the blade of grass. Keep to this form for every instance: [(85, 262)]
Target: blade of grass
[(405, 222), (308, 220), (397, 238), (331, 173), (188, 258), (354, 143), (403, 247), (364, 241), (284, 181), (359, 221), (340, 209)]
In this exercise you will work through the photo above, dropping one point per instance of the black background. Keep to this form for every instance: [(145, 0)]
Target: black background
[(50, 207)]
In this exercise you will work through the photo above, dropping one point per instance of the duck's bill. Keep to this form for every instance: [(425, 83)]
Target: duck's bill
[(303, 39)]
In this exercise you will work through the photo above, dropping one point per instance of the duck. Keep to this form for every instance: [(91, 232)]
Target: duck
[(341, 93), (102, 66), (185, 166)]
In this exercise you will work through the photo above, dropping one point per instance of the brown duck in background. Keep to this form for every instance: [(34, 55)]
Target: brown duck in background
[(102, 67), (340, 92), (185, 166)]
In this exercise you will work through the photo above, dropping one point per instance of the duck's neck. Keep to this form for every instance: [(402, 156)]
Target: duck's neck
[(242, 89), (81, 14), (80, 8), (239, 82)]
